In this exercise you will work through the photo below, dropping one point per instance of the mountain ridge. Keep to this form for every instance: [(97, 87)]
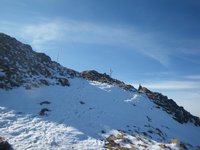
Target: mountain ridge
[(21, 67), (14, 51), (168, 105), (104, 78)]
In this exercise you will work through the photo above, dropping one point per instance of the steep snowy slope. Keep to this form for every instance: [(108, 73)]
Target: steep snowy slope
[(84, 114), (101, 114)]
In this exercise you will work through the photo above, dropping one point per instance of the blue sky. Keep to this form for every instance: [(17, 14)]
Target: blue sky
[(153, 43)]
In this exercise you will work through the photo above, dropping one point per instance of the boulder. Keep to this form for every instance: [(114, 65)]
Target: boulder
[(4, 145)]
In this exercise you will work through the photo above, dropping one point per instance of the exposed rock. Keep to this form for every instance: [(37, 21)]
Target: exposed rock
[(4, 145), (21, 66), (178, 112), (81, 102), (44, 111), (104, 78), (63, 81), (45, 102)]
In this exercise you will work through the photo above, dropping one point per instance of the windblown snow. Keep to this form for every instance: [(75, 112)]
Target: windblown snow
[(89, 115)]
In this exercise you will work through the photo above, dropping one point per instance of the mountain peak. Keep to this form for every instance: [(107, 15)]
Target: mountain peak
[(104, 78)]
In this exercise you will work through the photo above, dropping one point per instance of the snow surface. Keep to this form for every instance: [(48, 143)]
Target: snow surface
[(83, 115)]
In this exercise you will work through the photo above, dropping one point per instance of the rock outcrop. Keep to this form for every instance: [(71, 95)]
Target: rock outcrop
[(4, 145), (20, 65), (168, 105), (93, 75)]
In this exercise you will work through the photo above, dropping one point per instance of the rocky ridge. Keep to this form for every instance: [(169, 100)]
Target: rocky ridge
[(104, 78), (168, 105), (20, 65)]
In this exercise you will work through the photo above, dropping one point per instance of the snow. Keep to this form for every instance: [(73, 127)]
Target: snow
[(29, 132), (79, 113)]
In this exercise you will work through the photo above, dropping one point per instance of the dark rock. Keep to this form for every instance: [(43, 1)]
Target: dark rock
[(103, 132), (168, 105), (149, 119), (63, 81), (150, 131), (104, 78), (45, 102), (183, 146), (45, 82), (44, 111), (4, 145), (81, 102)]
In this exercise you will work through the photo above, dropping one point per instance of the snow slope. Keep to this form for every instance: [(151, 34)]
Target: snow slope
[(89, 115)]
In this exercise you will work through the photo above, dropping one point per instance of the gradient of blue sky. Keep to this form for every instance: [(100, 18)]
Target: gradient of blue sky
[(155, 43)]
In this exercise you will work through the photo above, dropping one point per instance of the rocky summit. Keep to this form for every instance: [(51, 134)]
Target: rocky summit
[(104, 78)]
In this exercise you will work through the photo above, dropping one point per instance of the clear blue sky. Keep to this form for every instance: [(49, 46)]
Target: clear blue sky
[(154, 43)]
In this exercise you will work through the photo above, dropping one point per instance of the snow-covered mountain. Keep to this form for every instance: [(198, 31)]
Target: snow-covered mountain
[(44, 105)]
